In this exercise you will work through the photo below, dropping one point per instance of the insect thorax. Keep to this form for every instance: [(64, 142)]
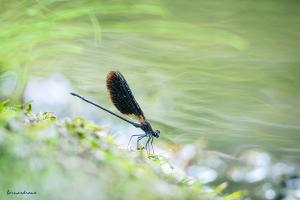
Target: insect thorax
[(147, 127)]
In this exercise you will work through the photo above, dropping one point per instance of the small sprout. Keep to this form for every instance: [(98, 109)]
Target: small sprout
[(3, 104), (185, 182), (153, 157), (78, 122), (220, 188), (234, 195), (81, 127), (49, 115), (27, 107), (94, 144), (39, 119), (93, 127), (196, 184)]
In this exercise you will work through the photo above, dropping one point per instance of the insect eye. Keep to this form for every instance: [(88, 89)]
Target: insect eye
[(157, 132)]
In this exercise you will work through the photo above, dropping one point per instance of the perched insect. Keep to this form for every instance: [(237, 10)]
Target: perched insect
[(122, 98)]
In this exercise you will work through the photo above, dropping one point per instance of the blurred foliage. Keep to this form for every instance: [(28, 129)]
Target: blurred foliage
[(75, 159), (33, 30), (26, 26)]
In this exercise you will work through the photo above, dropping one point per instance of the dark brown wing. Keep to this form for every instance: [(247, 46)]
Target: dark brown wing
[(122, 97)]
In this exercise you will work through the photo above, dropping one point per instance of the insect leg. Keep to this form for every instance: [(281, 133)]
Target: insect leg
[(147, 144), (138, 141), (132, 137), (152, 145)]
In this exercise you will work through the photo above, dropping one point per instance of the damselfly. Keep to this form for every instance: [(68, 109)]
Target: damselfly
[(123, 99)]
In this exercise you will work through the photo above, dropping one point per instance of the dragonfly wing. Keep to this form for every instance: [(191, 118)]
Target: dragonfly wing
[(122, 97)]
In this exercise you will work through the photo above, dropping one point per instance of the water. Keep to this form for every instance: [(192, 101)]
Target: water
[(223, 71)]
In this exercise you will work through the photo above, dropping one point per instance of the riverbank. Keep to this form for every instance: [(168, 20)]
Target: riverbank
[(73, 159)]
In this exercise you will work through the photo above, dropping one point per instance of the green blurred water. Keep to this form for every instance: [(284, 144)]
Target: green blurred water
[(224, 71)]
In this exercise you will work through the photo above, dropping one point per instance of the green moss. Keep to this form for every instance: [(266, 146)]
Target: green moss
[(68, 159)]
